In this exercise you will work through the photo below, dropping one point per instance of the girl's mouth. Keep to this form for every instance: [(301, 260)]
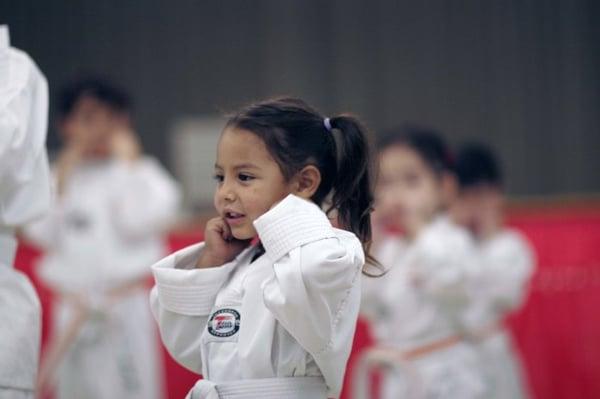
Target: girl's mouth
[(234, 218)]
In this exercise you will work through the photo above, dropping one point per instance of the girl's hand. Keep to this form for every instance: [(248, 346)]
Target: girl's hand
[(221, 247), (125, 145)]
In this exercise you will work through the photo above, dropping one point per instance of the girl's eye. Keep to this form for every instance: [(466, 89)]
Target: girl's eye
[(218, 178), (244, 177)]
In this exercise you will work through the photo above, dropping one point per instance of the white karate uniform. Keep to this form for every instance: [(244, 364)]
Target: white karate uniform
[(101, 234), (279, 327), (24, 195), (419, 302), (506, 261)]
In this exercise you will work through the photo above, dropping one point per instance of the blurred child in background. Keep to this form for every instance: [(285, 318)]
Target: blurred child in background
[(506, 263), (111, 208), (416, 307)]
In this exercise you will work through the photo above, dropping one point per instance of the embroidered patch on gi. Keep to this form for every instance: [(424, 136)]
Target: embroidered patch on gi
[(224, 323)]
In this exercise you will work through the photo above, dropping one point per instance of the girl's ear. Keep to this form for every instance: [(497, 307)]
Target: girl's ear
[(306, 182)]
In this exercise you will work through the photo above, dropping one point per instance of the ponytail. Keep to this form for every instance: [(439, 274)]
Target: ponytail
[(352, 191), (297, 135)]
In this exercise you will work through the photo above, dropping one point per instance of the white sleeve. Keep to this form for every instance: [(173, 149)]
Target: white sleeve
[(46, 231), (24, 181), (372, 304), (372, 307), (444, 266), (181, 302), (508, 268), (148, 198), (314, 291)]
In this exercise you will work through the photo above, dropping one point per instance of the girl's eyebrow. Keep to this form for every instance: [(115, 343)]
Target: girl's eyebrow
[(245, 166), (240, 166)]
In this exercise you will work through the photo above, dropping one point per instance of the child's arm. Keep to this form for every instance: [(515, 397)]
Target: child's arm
[(373, 305), (182, 300), (507, 269), (148, 198), (444, 267), (314, 291)]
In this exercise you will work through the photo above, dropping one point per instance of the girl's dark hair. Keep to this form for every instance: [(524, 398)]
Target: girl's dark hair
[(426, 142), (296, 135), (477, 164)]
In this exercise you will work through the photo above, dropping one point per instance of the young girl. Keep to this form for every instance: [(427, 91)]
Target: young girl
[(275, 319), (506, 263), (416, 306), (104, 228)]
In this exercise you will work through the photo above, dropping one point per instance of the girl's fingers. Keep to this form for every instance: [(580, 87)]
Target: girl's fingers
[(219, 226), (226, 232)]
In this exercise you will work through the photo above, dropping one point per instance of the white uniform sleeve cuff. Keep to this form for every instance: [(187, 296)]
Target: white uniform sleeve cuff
[(290, 224), (184, 289)]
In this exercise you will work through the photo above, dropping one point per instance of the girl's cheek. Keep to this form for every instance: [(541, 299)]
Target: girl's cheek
[(216, 199), (256, 204)]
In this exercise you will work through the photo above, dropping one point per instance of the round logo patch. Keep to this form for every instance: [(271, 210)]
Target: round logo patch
[(224, 323)]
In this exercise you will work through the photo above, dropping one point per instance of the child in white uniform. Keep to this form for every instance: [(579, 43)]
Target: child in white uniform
[(24, 195), (105, 227), (275, 319), (506, 264), (416, 307)]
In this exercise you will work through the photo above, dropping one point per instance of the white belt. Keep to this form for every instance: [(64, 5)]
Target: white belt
[(261, 388)]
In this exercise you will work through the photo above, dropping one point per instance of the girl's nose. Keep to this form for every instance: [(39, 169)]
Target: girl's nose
[(229, 196), (226, 193)]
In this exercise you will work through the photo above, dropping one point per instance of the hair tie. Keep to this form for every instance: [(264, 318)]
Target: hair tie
[(327, 123)]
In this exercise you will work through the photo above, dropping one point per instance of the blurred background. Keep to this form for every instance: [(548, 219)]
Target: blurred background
[(521, 76)]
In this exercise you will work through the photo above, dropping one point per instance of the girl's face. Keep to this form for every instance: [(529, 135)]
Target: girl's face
[(249, 181), (408, 193)]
